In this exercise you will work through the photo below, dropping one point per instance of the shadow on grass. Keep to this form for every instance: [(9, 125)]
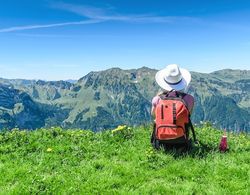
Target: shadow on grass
[(199, 150)]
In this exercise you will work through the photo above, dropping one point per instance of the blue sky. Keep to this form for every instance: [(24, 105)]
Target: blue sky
[(52, 40)]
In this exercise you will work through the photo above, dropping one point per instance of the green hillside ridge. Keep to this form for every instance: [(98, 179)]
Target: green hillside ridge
[(120, 161), (105, 99), (231, 75)]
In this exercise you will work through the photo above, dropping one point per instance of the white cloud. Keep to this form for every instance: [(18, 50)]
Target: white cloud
[(82, 10), (109, 15), (45, 35), (30, 27), (97, 15)]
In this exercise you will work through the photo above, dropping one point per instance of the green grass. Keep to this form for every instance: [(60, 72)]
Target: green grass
[(120, 162)]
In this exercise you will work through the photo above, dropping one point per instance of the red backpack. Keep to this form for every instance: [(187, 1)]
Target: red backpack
[(172, 120)]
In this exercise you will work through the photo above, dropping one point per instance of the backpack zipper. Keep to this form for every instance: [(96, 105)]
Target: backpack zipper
[(162, 114)]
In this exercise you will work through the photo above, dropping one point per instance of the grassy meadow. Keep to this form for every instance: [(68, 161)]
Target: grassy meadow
[(120, 161)]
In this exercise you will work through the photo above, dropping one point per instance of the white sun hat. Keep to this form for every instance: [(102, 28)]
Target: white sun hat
[(173, 77)]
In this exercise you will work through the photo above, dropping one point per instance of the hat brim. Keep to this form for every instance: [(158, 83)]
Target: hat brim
[(186, 79)]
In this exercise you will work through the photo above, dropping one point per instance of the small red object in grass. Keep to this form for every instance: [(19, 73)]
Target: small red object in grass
[(223, 143)]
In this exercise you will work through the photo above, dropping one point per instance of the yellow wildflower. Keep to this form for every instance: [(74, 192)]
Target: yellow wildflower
[(49, 150)]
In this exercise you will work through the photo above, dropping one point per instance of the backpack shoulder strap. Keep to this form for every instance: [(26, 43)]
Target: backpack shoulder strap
[(180, 94), (165, 94), (192, 129)]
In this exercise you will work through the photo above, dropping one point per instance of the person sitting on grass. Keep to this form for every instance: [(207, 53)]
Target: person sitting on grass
[(172, 107)]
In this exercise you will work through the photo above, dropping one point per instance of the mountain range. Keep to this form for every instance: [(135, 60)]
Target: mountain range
[(105, 99)]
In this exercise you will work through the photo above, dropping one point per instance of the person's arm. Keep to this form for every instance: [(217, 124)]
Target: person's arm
[(153, 111), (155, 101)]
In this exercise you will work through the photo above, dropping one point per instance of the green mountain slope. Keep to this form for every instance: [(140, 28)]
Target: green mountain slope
[(18, 109), (105, 99), (56, 161)]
